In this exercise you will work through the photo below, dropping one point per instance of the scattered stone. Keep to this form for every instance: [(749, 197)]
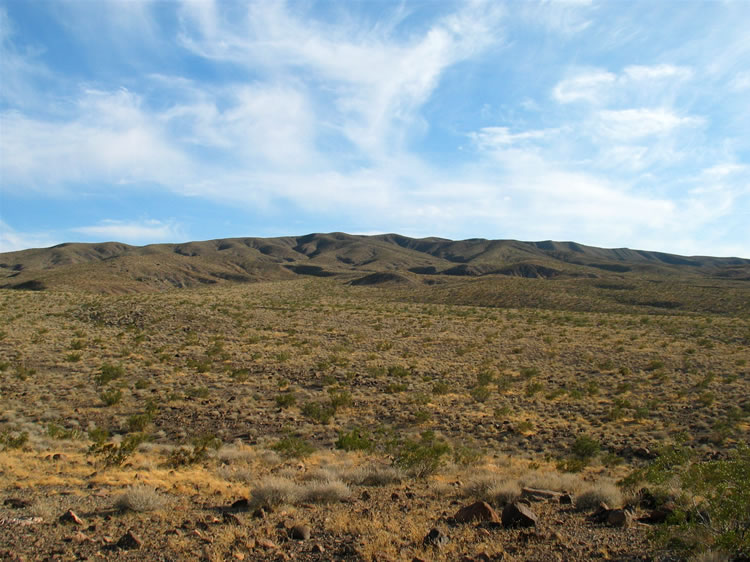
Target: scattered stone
[(600, 514), (618, 518), (242, 504), (16, 503), (318, 549), (265, 543), (201, 536), (483, 557), (231, 518), (518, 515), (479, 511), (435, 538), (129, 541), (658, 515), (71, 517), (299, 532), (535, 494), (80, 537), (646, 499), (22, 521)]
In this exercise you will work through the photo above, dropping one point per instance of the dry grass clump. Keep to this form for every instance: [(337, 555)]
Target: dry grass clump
[(140, 499), (493, 489), (331, 491), (275, 491), (549, 480), (236, 474), (231, 454), (374, 475), (326, 474), (597, 493)]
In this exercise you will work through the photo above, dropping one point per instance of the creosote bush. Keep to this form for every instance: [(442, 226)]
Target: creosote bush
[(713, 510), (292, 446), (354, 440), (421, 457)]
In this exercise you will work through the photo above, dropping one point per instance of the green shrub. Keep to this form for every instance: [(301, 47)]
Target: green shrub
[(109, 372), (286, 399), (13, 440), (714, 511), (465, 455), (115, 454), (422, 457), (293, 447), (56, 431), (98, 435), (440, 388), (398, 371), (111, 397), (484, 378), (185, 456), (393, 388), (533, 387), (585, 447), (571, 464), (319, 411), (138, 422), (340, 399), (354, 440), (480, 393)]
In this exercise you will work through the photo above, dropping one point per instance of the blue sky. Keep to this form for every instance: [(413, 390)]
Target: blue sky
[(615, 124)]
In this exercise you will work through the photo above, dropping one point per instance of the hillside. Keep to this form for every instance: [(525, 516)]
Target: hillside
[(119, 268)]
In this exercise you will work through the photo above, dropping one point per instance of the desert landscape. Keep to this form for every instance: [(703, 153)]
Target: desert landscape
[(341, 397)]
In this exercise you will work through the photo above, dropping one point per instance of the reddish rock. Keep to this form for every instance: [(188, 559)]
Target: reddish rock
[(518, 515), (435, 538), (618, 518), (129, 541), (479, 511), (299, 532), (71, 517)]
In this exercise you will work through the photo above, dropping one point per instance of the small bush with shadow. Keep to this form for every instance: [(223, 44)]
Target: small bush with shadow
[(140, 499)]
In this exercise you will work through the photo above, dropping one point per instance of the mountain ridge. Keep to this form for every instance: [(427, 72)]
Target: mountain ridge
[(119, 267)]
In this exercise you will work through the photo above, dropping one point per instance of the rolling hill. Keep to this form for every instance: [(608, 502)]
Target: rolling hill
[(388, 259)]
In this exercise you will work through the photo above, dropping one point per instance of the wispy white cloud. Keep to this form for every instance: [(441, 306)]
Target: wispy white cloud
[(291, 111), (657, 72), (591, 86), (566, 17), (109, 138), (633, 124), (12, 240), (133, 231), (378, 80), (501, 137), (740, 82)]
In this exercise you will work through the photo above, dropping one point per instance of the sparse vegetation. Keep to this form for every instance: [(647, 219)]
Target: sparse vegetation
[(407, 404)]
